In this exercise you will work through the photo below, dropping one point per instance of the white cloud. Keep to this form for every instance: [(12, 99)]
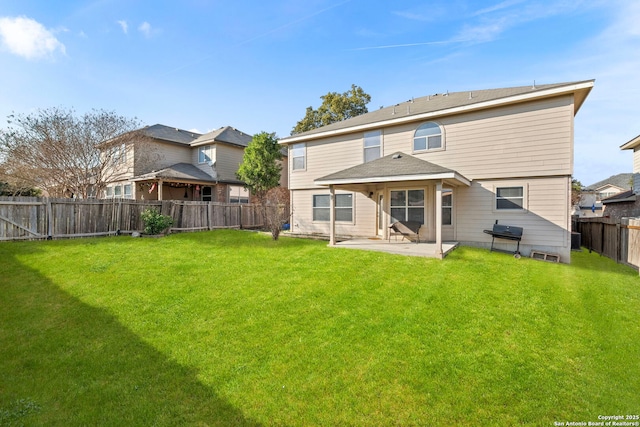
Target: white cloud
[(28, 38), (145, 28), (125, 27)]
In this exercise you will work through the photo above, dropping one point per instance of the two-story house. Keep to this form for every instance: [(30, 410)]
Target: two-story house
[(455, 162), (175, 164)]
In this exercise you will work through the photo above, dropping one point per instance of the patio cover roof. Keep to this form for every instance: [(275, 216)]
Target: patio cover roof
[(183, 172), (394, 167)]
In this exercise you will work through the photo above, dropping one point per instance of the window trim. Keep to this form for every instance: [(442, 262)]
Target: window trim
[(303, 146), (525, 192), (427, 149), (377, 132), (321, 221)]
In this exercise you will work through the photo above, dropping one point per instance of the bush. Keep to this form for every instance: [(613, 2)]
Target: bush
[(155, 222)]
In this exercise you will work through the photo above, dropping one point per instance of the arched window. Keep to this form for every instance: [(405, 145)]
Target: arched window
[(427, 137)]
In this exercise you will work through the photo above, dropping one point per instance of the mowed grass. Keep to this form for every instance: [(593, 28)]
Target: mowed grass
[(231, 328)]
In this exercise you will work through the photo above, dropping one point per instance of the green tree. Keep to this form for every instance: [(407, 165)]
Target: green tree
[(335, 108), (576, 190), (260, 169)]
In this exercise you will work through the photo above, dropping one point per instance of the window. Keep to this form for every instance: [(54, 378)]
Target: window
[(447, 207), (298, 154), (238, 194), (127, 191), (372, 145), (117, 191), (427, 137), (407, 205), (109, 191), (204, 154), (510, 198), (344, 207)]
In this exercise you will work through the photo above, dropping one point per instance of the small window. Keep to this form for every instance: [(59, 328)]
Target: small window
[(238, 194), (343, 208), (427, 137), (109, 191), (127, 191), (447, 207), (117, 191), (407, 205), (510, 198), (372, 145), (204, 154), (298, 156)]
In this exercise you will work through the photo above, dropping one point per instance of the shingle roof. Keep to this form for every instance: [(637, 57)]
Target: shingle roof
[(621, 180), (625, 196), (396, 165), (224, 134), (441, 102), (179, 171), (170, 134)]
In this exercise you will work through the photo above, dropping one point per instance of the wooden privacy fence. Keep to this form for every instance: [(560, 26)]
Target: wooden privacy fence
[(615, 239), (42, 218)]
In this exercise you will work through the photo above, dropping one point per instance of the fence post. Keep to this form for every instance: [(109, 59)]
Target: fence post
[(49, 219)]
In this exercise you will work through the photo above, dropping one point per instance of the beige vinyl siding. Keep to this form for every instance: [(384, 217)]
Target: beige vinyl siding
[(546, 220), (533, 139), (228, 159), (636, 160), (530, 139), (325, 157), (161, 155), (364, 215)]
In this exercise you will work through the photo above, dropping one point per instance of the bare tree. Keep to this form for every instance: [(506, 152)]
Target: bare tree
[(276, 210), (65, 154)]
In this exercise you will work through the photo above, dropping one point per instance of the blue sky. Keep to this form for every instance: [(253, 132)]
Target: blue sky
[(256, 66)]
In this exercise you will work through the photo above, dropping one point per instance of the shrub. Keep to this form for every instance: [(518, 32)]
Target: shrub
[(155, 222)]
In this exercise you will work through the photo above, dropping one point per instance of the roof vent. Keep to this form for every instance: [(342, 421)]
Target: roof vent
[(534, 85), (470, 95), (396, 156)]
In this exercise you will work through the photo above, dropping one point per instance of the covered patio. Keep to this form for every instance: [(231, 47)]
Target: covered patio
[(380, 177)]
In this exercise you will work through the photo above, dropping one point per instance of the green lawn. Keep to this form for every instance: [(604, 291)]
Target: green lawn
[(231, 328)]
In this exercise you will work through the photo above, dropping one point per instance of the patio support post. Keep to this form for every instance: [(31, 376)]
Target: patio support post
[(160, 190), (332, 215), (439, 254)]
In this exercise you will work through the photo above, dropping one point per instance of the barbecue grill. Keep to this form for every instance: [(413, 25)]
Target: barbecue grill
[(506, 232)]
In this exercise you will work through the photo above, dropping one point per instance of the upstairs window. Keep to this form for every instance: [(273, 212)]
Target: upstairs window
[(372, 145), (427, 137), (204, 154), (298, 157)]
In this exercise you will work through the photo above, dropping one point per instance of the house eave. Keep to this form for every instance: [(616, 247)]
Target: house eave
[(397, 178), (630, 145), (583, 88)]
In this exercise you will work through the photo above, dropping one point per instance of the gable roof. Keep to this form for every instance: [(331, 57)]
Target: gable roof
[(621, 180), (170, 134), (394, 167), (445, 104), (225, 134)]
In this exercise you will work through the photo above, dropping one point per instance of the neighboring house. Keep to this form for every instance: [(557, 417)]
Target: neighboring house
[(592, 196), (627, 203), (456, 162), (175, 164)]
